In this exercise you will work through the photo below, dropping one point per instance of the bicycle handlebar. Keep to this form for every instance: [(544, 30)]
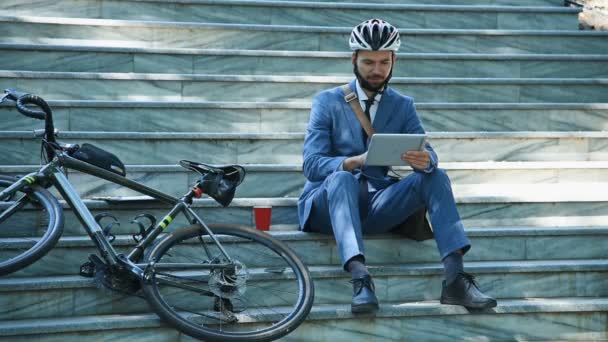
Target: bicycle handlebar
[(12, 94), (21, 100), (33, 99)]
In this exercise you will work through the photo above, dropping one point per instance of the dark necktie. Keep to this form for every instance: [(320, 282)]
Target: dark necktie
[(368, 105)]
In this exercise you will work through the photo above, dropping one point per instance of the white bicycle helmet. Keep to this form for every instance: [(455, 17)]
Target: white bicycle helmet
[(375, 35)]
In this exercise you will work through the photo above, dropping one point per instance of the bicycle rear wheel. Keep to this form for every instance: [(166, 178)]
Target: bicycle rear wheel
[(31, 222), (266, 294)]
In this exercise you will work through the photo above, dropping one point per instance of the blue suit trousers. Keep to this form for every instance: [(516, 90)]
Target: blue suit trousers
[(337, 209)]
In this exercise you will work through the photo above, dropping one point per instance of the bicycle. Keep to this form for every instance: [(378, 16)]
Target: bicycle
[(211, 282)]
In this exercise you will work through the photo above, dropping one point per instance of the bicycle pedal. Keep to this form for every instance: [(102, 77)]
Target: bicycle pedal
[(89, 268)]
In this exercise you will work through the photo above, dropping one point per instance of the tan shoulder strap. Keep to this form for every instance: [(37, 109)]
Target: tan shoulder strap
[(351, 97)]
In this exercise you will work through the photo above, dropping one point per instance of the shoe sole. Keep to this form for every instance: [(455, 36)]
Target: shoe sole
[(364, 308), (450, 301)]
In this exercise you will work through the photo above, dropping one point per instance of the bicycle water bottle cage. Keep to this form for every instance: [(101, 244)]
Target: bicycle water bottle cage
[(107, 230), (143, 231), (217, 181)]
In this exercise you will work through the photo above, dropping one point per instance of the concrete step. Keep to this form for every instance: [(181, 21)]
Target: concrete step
[(554, 3), (489, 244), (199, 87), (526, 205), (261, 179), (84, 32), (521, 209), (259, 117), (44, 57), (311, 13), (69, 296), (572, 319), (286, 148)]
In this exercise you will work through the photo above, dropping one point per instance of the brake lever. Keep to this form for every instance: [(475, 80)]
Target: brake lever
[(13, 94)]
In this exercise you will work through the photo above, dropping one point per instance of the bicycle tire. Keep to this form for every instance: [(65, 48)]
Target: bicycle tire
[(178, 245), (30, 247)]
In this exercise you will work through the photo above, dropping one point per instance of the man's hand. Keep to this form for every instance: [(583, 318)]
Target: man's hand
[(354, 162), (419, 160)]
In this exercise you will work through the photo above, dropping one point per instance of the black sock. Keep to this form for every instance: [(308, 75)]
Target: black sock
[(356, 267), (452, 265)]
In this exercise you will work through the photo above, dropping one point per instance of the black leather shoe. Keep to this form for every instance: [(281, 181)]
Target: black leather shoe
[(364, 298), (464, 291)]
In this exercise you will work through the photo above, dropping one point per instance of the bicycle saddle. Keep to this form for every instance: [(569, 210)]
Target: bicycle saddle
[(218, 181)]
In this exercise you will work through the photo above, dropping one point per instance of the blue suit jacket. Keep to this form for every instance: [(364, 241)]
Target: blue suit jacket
[(334, 134)]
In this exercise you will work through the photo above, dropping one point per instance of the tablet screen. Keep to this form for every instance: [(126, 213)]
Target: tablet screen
[(386, 149)]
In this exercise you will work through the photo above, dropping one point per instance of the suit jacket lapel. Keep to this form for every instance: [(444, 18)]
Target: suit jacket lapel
[(383, 114), (381, 120)]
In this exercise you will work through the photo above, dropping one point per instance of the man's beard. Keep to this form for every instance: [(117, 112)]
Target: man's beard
[(367, 85)]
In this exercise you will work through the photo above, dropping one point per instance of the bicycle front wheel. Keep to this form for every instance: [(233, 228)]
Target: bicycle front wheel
[(260, 293), (31, 222)]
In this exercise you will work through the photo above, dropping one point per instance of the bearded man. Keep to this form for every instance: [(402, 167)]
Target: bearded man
[(346, 198)]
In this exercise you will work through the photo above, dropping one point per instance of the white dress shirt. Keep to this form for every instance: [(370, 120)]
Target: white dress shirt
[(362, 96)]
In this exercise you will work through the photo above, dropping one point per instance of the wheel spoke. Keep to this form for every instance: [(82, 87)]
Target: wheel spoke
[(183, 286), (267, 291), (31, 223)]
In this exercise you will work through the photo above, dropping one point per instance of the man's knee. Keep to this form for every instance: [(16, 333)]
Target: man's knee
[(440, 175), (341, 182), (437, 178), (434, 176), (343, 179)]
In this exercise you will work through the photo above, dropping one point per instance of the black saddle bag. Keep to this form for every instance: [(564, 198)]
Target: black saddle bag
[(222, 186), (96, 156)]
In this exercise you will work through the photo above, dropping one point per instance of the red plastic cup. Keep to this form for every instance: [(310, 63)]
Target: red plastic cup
[(262, 215)]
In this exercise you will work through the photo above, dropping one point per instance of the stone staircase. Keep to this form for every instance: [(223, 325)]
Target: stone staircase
[(513, 96)]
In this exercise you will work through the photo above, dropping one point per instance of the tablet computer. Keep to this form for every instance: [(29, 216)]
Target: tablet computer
[(386, 149)]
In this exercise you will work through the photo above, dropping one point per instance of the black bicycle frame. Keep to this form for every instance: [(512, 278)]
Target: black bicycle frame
[(53, 172)]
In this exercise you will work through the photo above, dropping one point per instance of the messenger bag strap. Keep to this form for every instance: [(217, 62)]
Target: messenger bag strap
[(351, 98)]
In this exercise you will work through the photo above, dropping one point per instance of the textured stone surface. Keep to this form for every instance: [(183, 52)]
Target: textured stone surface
[(176, 87), (437, 328), (228, 36), (166, 148), (278, 13), (260, 180), (240, 117), (72, 295), (101, 58), (533, 234), (71, 252), (530, 319)]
